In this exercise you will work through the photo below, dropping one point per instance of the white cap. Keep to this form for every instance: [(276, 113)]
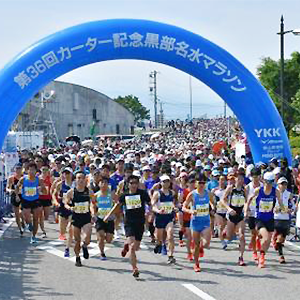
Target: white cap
[(198, 163), (221, 161), (68, 169), (164, 177), (269, 176), (136, 173), (146, 168), (178, 165), (281, 180), (210, 156)]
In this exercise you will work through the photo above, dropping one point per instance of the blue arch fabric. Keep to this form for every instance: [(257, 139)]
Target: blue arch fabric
[(107, 40)]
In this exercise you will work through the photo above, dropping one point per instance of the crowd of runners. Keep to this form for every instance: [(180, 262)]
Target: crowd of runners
[(149, 186)]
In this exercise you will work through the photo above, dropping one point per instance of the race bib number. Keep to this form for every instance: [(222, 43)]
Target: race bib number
[(202, 210), (81, 207), (238, 201), (284, 210), (133, 201), (30, 191), (265, 206), (221, 207), (167, 207), (102, 212)]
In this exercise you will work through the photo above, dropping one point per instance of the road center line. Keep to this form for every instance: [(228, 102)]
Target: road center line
[(198, 292)]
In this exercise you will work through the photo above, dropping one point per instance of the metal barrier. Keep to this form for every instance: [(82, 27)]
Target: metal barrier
[(5, 205)]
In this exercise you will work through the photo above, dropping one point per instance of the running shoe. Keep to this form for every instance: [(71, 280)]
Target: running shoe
[(30, 227), (282, 259), (67, 252), (181, 244), (103, 256), (241, 262), (164, 250), (157, 249), (62, 237), (33, 240), (44, 234), (85, 252), (190, 257), (171, 260), (224, 245), (261, 263), (136, 273), (255, 256), (21, 233), (125, 250), (197, 268), (78, 262)]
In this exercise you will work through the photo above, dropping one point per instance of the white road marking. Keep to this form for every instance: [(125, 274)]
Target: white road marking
[(198, 292), (292, 244), (50, 247), (5, 226)]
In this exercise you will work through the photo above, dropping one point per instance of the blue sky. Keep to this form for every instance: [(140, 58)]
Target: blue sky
[(247, 29)]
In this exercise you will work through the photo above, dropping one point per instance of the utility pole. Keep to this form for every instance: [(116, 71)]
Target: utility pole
[(154, 90)]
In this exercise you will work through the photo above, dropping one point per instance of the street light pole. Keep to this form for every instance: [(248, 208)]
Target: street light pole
[(282, 33), (282, 64)]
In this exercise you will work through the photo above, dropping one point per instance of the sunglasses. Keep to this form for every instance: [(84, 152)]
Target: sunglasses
[(201, 182)]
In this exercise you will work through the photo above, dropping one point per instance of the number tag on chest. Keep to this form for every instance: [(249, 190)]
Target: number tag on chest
[(166, 206), (265, 206), (133, 201), (81, 207), (202, 210)]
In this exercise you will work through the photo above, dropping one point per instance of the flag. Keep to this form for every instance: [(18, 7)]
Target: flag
[(92, 129)]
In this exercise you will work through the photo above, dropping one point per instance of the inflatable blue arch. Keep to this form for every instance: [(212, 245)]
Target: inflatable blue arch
[(106, 40)]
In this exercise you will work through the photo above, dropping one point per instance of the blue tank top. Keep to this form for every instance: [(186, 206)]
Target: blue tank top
[(201, 205), (30, 189), (265, 204), (149, 183), (166, 202), (104, 203)]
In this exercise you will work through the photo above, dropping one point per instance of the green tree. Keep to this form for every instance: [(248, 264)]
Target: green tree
[(133, 104), (269, 75)]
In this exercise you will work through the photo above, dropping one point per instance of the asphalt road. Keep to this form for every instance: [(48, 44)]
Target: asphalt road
[(40, 272)]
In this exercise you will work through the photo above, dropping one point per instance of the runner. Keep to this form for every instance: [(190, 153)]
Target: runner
[(221, 210), (30, 198), (133, 201), (45, 199), (163, 204), (250, 190), (199, 200), (104, 202), (11, 185), (265, 203), (234, 200), (282, 218), (78, 199), (65, 215)]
